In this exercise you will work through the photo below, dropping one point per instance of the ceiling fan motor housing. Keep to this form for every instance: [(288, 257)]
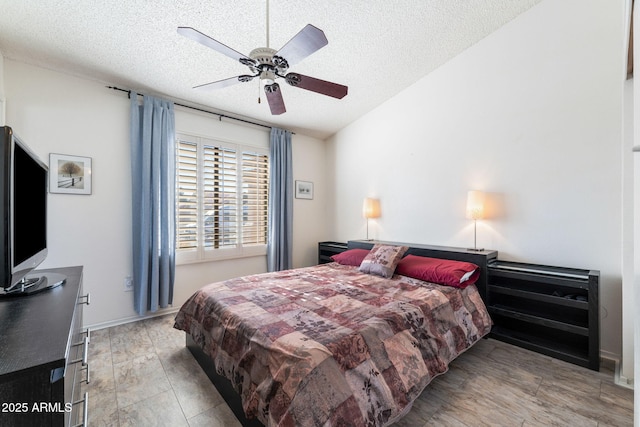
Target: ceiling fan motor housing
[(266, 64)]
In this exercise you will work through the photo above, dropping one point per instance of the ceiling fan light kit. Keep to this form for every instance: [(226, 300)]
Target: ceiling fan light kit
[(268, 65)]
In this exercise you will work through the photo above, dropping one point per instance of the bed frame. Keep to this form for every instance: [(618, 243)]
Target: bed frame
[(222, 384), (232, 398)]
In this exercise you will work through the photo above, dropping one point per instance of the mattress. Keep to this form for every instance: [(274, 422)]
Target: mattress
[(328, 345)]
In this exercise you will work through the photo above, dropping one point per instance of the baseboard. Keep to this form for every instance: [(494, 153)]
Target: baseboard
[(123, 321), (623, 381), (612, 363)]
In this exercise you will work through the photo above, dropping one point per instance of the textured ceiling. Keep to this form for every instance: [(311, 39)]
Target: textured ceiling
[(376, 47)]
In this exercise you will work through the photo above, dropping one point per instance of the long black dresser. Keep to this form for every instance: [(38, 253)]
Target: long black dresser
[(43, 356)]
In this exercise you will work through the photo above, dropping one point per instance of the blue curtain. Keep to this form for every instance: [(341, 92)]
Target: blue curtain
[(280, 234), (153, 189)]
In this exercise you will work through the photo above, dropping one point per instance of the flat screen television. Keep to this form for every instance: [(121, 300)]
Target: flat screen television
[(23, 206)]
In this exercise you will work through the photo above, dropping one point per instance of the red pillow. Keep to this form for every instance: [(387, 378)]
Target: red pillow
[(458, 274), (351, 257)]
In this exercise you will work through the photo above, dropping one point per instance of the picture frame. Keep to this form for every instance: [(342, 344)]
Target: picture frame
[(69, 174), (304, 190)]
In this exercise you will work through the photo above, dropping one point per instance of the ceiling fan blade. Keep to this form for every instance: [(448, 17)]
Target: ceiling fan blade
[(274, 97), (316, 85), (205, 40), (303, 44), (224, 83)]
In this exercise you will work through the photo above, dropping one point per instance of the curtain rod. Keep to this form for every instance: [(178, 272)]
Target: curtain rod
[(199, 109)]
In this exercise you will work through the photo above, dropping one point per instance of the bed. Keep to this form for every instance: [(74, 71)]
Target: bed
[(331, 345)]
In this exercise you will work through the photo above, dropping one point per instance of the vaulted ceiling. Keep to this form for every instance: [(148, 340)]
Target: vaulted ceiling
[(377, 48)]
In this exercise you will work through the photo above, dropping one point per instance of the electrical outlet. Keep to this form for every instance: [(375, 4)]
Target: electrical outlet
[(128, 284)]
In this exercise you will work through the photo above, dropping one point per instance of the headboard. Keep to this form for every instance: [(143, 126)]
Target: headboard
[(479, 258)]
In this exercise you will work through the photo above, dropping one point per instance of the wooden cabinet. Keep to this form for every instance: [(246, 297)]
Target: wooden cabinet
[(327, 249), (43, 356), (550, 310)]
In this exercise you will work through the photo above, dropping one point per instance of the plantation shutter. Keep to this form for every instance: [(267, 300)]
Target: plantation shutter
[(220, 180), (187, 182), (255, 191), (223, 191)]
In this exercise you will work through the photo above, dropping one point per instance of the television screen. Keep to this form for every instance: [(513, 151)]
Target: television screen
[(29, 206)]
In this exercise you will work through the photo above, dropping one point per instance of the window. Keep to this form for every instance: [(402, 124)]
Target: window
[(222, 191)]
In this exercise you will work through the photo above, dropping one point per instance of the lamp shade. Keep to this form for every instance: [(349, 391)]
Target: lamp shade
[(371, 208), (475, 204)]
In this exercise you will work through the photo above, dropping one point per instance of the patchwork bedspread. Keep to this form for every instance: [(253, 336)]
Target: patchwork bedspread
[(328, 345)]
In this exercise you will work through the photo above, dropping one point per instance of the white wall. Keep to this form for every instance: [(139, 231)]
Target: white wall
[(1, 76), (58, 113), (632, 288), (55, 113), (628, 232), (309, 216), (626, 372), (532, 115), (2, 100)]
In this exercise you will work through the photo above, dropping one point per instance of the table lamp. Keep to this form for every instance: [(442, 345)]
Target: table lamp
[(475, 211), (370, 209)]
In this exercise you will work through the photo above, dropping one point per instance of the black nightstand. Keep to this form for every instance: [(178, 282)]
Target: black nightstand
[(550, 310), (328, 249)]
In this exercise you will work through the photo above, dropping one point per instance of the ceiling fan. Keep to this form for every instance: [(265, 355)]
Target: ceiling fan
[(269, 64)]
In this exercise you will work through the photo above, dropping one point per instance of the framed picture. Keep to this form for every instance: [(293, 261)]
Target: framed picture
[(304, 190), (69, 174)]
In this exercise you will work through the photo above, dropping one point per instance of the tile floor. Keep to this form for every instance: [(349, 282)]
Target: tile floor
[(142, 375)]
